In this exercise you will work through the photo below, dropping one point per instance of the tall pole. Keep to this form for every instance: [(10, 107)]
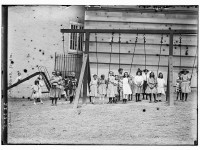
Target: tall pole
[(85, 79), (170, 71), (4, 81)]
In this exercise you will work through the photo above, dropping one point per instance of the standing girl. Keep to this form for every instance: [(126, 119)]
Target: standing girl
[(160, 86), (132, 85), (178, 86), (111, 89), (36, 92), (126, 87), (138, 84), (102, 84), (55, 88), (151, 88), (93, 88), (185, 85), (116, 90)]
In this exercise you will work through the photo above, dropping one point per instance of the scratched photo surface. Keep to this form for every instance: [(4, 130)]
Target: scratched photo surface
[(38, 44)]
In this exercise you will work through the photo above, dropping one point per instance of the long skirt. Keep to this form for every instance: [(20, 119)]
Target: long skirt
[(185, 87), (151, 90), (102, 89), (110, 90), (161, 90), (93, 92), (35, 95), (138, 89), (54, 92)]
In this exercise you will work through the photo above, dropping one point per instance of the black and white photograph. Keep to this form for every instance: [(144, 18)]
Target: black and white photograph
[(123, 75)]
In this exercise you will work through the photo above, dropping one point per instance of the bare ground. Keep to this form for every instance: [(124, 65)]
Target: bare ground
[(158, 124)]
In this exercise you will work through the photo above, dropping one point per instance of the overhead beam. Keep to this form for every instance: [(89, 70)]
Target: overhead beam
[(128, 31), (104, 63)]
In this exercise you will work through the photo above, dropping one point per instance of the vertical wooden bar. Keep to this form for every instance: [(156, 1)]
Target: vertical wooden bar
[(55, 62), (85, 79), (170, 72), (4, 81), (80, 82)]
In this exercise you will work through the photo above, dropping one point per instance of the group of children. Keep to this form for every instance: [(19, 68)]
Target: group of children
[(183, 85), (60, 88), (116, 87), (123, 86)]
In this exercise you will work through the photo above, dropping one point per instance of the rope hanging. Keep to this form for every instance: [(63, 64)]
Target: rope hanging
[(119, 48), (63, 43), (133, 52), (161, 42), (194, 64), (96, 52), (180, 51), (144, 49), (111, 51)]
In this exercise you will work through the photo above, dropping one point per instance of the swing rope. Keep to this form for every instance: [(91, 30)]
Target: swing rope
[(119, 48), (133, 52), (180, 51), (63, 43), (96, 52), (144, 49), (111, 50), (194, 64), (160, 53)]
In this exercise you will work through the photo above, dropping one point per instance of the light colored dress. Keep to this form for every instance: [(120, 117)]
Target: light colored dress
[(132, 85), (35, 89), (116, 87), (161, 86), (93, 88), (55, 86), (151, 88), (126, 86), (102, 87), (185, 85), (110, 89), (138, 80)]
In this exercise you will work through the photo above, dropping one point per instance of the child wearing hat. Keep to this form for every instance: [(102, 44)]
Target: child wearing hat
[(102, 85), (185, 84), (94, 88)]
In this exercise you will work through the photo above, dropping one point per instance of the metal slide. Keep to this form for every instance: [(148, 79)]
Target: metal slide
[(46, 81)]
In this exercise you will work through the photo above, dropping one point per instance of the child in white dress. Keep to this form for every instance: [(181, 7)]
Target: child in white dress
[(36, 92), (185, 84), (160, 86), (138, 80), (93, 88), (126, 87), (110, 89), (102, 85)]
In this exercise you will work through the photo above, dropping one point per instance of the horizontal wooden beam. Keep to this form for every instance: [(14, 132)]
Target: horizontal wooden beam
[(130, 22), (139, 10), (175, 45), (138, 54), (128, 31), (104, 63)]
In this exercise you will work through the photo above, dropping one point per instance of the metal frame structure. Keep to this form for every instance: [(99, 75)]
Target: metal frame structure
[(170, 62)]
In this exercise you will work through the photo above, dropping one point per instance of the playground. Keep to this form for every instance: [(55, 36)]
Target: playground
[(141, 123)]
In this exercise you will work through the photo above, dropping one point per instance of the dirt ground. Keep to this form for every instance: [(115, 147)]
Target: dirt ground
[(140, 123)]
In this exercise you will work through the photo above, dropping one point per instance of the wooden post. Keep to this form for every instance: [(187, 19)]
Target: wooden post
[(85, 80), (4, 80), (170, 71), (82, 76)]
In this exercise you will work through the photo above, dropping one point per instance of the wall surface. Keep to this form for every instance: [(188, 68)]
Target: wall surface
[(143, 18), (34, 37)]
